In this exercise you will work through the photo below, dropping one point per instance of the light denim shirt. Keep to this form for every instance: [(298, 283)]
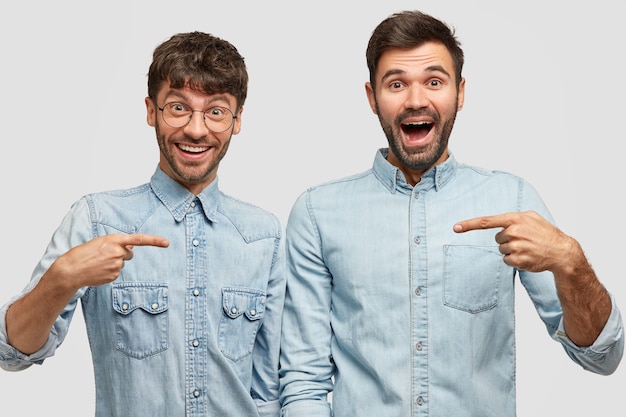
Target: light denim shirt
[(405, 316), (188, 330)]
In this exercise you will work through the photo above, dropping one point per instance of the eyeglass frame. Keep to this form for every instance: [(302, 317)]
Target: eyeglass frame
[(162, 109)]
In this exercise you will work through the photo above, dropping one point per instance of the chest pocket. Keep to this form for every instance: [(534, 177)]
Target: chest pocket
[(242, 311), (141, 322), (472, 277)]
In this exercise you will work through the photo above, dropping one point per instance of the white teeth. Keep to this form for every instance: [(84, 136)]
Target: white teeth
[(192, 148), (418, 124)]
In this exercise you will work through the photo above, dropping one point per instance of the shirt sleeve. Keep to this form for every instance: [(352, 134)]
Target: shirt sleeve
[(306, 363), (73, 230), (604, 355), (265, 383)]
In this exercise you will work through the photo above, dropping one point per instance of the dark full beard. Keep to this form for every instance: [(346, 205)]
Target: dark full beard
[(417, 158)]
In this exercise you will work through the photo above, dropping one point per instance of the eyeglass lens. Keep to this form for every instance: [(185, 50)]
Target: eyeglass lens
[(217, 119)]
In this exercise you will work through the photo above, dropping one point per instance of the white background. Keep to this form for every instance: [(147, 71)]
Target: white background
[(544, 100)]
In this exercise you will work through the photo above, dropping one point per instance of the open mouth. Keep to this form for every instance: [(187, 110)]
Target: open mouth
[(417, 130)]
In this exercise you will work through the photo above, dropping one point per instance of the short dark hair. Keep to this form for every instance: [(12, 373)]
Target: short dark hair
[(201, 61), (410, 29)]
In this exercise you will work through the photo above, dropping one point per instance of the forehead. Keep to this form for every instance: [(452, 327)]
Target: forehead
[(428, 57)]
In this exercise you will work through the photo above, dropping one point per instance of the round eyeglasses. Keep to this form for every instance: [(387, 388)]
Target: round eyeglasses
[(217, 119)]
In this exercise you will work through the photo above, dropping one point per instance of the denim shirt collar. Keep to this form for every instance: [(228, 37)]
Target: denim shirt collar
[(394, 180), (178, 199)]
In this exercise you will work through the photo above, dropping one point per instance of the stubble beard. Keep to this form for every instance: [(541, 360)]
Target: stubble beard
[(189, 173)]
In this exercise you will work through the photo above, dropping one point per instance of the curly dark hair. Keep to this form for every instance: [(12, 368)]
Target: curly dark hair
[(200, 61)]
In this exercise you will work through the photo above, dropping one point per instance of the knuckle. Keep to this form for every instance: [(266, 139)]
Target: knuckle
[(484, 223)]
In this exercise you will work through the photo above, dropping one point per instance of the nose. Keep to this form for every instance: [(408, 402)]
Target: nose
[(196, 128), (417, 97)]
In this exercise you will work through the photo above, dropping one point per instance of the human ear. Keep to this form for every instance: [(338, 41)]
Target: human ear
[(150, 111), (371, 96)]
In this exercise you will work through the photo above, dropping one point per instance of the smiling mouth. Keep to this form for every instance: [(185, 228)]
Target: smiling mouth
[(417, 130), (193, 149)]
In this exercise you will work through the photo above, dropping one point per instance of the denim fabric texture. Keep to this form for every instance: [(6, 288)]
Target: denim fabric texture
[(188, 330), (396, 314)]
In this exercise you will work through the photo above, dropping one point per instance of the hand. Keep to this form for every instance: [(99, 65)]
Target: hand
[(101, 260), (527, 240)]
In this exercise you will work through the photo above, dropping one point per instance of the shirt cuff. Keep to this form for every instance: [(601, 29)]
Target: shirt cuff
[(610, 334)]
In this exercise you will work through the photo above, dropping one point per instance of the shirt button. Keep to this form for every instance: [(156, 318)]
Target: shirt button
[(125, 306), (416, 239), (418, 346), (196, 292), (195, 242), (233, 310), (418, 292), (155, 306), (419, 400), (196, 343), (416, 195), (193, 204), (196, 393), (253, 312)]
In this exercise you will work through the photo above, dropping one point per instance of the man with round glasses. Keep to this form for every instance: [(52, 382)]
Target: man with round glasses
[(181, 286)]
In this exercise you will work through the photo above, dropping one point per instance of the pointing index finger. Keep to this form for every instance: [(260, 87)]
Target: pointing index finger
[(142, 239), (483, 222)]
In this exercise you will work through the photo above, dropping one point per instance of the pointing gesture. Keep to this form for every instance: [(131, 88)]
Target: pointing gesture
[(100, 260), (96, 262), (531, 243), (527, 240)]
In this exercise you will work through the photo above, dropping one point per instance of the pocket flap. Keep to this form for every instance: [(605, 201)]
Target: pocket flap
[(238, 301), (152, 298)]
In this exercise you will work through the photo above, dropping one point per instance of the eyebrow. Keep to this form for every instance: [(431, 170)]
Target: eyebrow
[(175, 93), (212, 98), (438, 68), (432, 68)]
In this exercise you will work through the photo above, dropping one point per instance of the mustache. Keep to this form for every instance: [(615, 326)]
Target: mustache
[(417, 113), (207, 140)]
